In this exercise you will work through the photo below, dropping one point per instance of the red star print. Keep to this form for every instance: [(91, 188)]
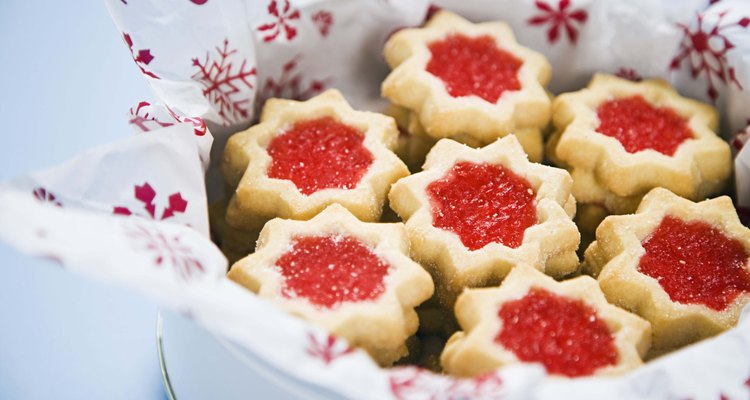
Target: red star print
[(283, 17), (562, 17), (705, 51)]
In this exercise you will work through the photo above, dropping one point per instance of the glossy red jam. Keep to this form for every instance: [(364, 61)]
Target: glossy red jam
[(330, 270), (565, 335), (474, 66), (482, 204), (696, 263), (638, 125), (319, 154)]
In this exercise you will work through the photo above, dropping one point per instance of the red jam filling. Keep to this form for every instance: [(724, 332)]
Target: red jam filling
[(565, 335), (474, 66), (639, 125), (319, 154), (696, 263), (330, 270), (482, 204)]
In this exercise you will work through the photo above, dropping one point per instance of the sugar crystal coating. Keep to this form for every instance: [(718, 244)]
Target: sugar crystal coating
[(330, 270), (319, 154), (563, 334)]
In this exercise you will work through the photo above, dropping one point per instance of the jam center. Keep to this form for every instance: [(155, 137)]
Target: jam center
[(563, 334), (482, 204), (473, 66), (319, 154), (330, 270), (696, 263), (639, 125)]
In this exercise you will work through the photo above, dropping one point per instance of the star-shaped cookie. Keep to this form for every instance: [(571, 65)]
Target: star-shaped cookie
[(566, 326), (353, 278), (683, 266), (304, 156), (468, 79), (473, 214), (621, 139)]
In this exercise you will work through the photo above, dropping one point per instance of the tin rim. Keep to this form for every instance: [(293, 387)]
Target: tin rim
[(162, 363)]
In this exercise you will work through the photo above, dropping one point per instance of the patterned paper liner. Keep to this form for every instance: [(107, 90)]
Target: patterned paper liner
[(133, 213)]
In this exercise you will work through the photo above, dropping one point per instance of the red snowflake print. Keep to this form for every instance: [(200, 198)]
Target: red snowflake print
[(167, 250), (328, 349), (142, 57), (418, 383), (289, 85), (705, 50), (431, 11), (199, 124), (282, 23), (46, 196), (146, 195), (629, 74), (222, 84), (141, 118), (323, 21), (562, 17), (54, 258), (741, 137)]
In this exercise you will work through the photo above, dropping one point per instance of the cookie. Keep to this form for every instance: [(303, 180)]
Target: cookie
[(304, 156), (568, 327), (683, 266), (352, 278)]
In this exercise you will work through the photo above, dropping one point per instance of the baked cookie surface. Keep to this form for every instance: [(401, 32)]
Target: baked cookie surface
[(461, 78), (683, 266), (473, 214), (304, 156), (621, 139), (353, 278), (566, 326)]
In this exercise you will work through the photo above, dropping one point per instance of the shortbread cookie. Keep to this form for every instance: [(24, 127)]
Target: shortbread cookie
[(469, 79), (622, 138), (566, 326), (304, 156), (473, 214), (353, 278), (234, 243), (681, 265)]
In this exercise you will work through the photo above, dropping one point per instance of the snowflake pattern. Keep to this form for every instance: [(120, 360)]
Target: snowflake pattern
[(419, 383), (705, 51), (741, 137), (432, 9), (146, 195), (323, 21), (327, 349), (629, 74), (199, 124), (289, 85), (222, 84), (167, 250), (142, 57), (46, 196), (283, 22), (562, 17), (142, 117)]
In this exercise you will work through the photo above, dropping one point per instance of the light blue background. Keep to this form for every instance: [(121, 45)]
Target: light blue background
[(67, 82)]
